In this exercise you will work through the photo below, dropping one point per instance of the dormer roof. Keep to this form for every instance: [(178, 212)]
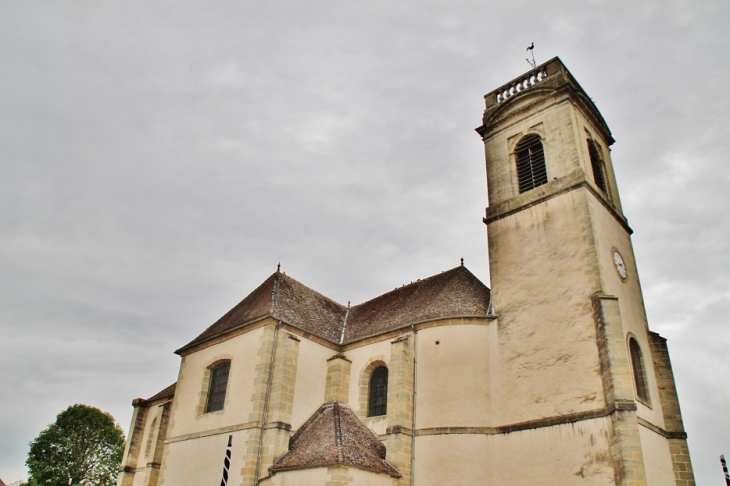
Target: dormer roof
[(335, 435)]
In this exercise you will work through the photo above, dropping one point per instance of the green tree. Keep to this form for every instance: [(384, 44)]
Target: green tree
[(83, 447)]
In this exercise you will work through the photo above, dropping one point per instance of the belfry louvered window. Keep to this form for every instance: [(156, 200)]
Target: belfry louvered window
[(217, 388), (637, 363), (599, 168), (378, 397), (531, 171)]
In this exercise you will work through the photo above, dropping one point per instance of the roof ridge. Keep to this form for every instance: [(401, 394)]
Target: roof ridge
[(344, 323), (292, 279), (420, 281), (273, 293), (338, 432)]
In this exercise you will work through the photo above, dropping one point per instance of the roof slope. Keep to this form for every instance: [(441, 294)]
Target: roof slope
[(288, 300), (307, 309), (165, 393), (256, 305), (456, 292), (335, 435)]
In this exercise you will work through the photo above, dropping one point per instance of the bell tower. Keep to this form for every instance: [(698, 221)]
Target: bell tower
[(573, 341)]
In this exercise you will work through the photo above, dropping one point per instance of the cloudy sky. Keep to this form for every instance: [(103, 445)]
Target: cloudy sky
[(158, 159)]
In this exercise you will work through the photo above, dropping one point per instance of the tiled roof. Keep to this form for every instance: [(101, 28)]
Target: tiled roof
[(167, 392), (256, 305), (454, 293), (288, 300), (308, 310), (334, 435)]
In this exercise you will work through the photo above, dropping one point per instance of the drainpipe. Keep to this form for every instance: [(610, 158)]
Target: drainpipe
[(415, 395), (266, 405)]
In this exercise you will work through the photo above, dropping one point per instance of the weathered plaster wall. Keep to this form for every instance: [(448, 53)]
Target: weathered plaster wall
[(453, 459), (543, 270), (310, 380), (565, 455), (190, 393), (453, 376), (200, 460), (657, 459), (327, 476)]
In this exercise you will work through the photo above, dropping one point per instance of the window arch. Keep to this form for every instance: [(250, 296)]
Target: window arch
[(531, 170), (217, 387), (637, 364), (598, 166), (378, 392)]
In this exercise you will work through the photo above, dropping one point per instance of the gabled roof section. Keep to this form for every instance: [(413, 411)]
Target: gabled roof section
[(454, 293), (288, 300), (168, 392), (334, 435), (255, 306), (304, 308)]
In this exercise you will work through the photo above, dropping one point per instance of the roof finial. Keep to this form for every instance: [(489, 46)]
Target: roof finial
[(462, 262), (278, 267), (532, 51)]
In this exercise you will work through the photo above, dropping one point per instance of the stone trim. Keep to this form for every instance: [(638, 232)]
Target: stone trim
[(364, 341), (337, 381), (469, 320), (295, 331), (669, 434), (644, 362), (226, 335), (556, 187), (531, 424), (207, 433), (364, 383), (205, 385), (398, 429)]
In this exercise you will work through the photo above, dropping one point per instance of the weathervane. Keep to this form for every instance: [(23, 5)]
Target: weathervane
[(532, 51)]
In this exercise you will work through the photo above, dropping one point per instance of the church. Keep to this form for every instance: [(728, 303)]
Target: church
[(551, 377)]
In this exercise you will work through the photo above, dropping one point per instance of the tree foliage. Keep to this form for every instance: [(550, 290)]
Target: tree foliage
[(83, 447)]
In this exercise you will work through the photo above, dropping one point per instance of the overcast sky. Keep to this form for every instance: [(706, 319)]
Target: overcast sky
[(158, 159)]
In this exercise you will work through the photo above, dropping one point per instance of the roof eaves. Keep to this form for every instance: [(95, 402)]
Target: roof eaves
[(222, 333), (410, 324)]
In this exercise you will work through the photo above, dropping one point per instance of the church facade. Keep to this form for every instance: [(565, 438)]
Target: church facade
[(552, 377)]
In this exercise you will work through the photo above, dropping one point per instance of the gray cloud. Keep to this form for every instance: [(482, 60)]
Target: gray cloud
[(159, 158)]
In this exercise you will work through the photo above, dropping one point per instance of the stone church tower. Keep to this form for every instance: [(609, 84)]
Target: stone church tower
[(573, 336), (550, 378)]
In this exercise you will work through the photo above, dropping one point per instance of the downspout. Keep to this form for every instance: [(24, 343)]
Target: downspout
[(266, 405), (415, 395)]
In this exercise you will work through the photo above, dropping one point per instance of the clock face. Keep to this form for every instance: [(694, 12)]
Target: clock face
[(618, 260)]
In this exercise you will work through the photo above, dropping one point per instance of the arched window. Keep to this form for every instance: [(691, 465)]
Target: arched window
[(150, 436), (637, 363), (217, 388), (378, 395), (531, 171), (599, 168)]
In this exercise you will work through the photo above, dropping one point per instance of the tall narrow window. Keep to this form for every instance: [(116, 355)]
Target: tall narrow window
[(378, 398), (599, 168), (531, 171), (637, 363), (150, 436), (217, 388)]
